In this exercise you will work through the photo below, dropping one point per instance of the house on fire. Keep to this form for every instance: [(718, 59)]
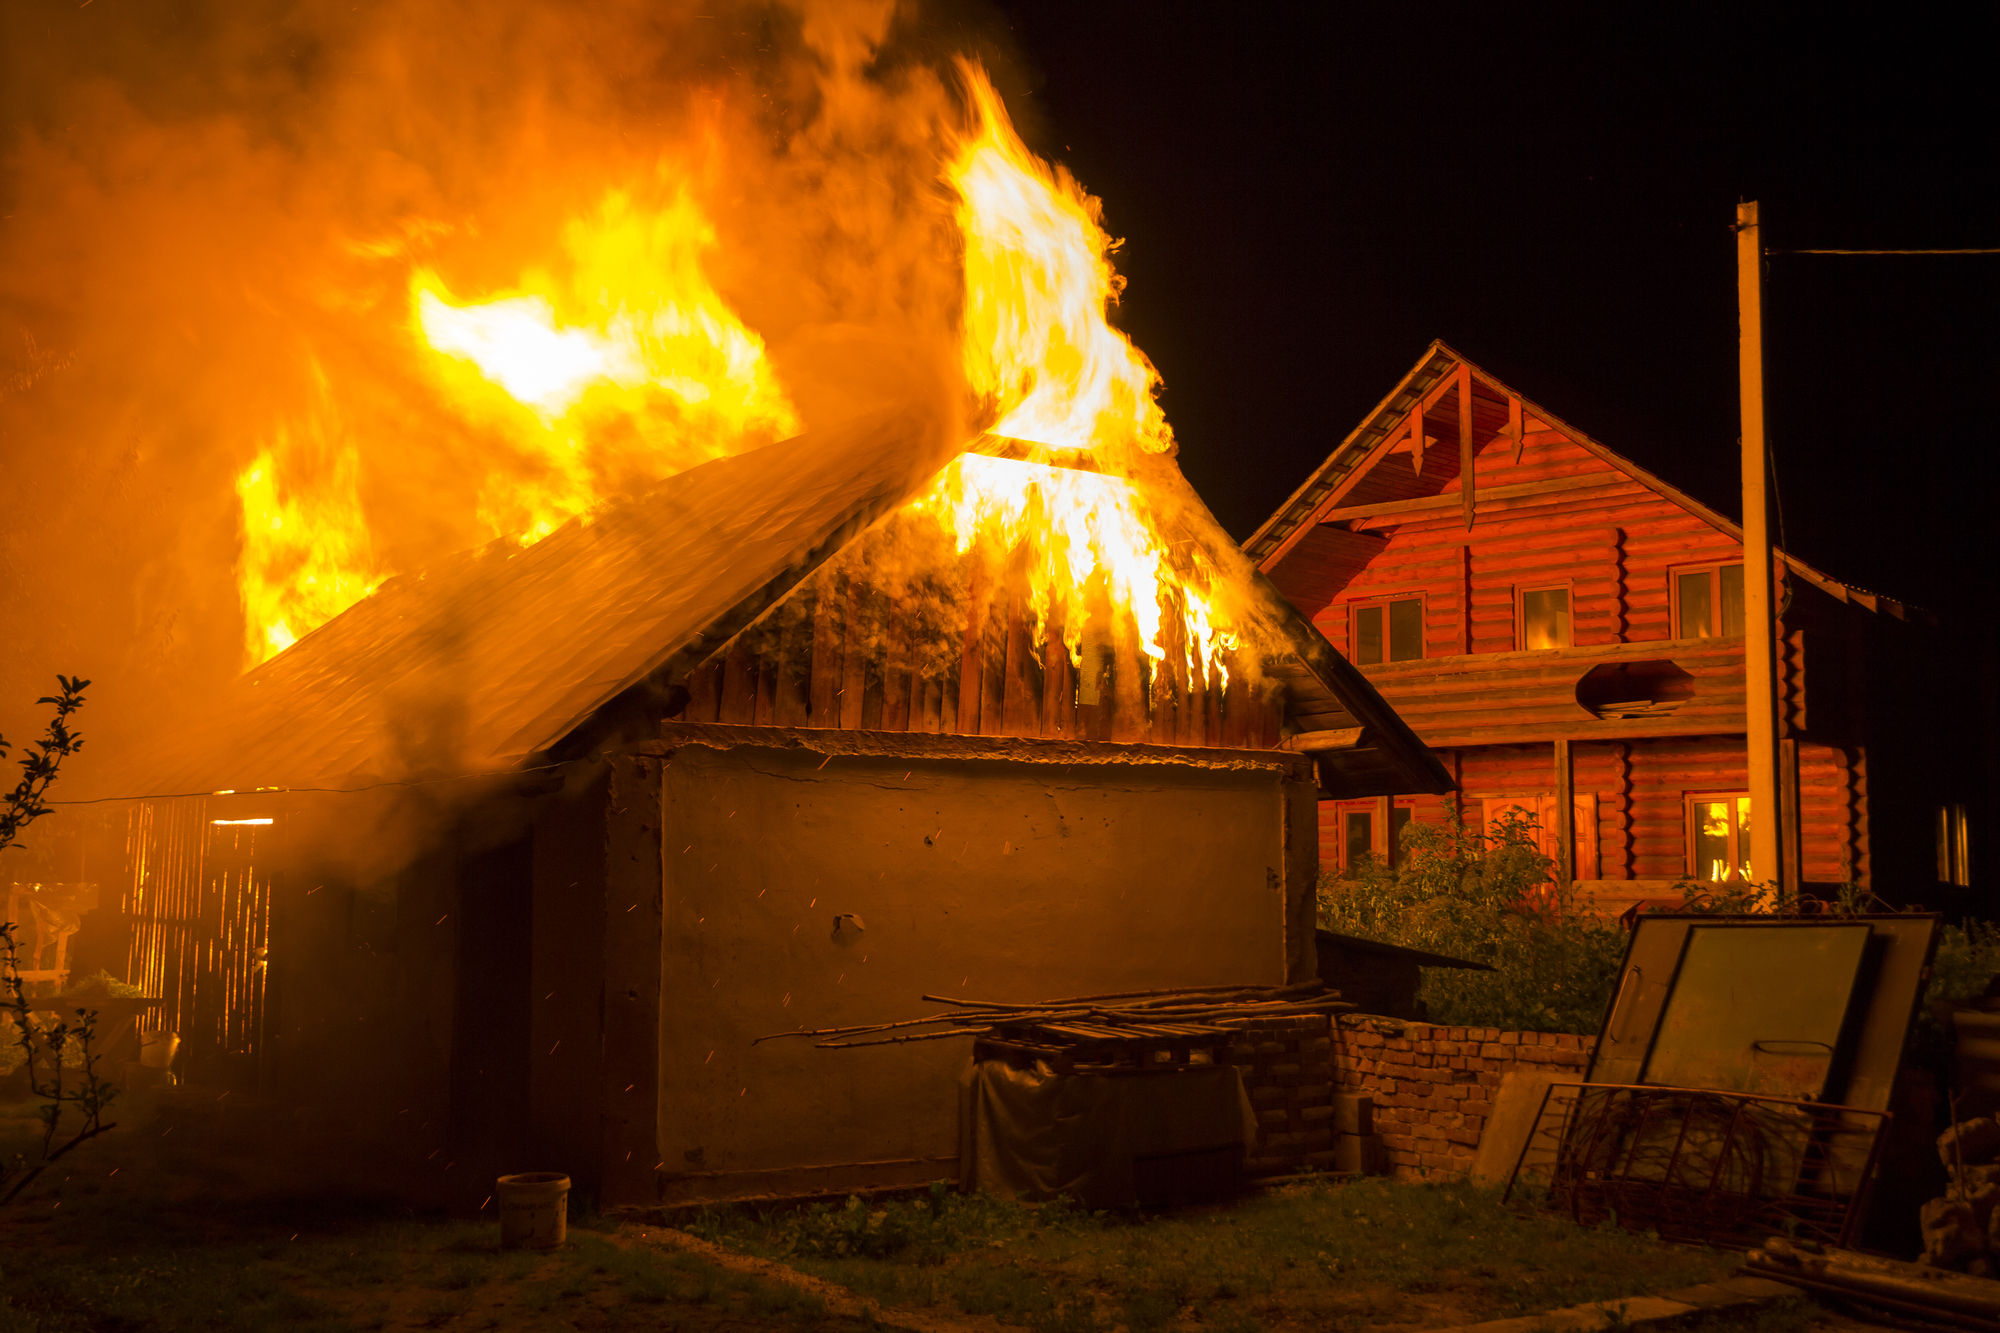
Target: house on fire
[(1565, 630), (517, 857)]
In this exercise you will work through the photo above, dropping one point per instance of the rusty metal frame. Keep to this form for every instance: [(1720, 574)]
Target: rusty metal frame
[(1740, 1166)]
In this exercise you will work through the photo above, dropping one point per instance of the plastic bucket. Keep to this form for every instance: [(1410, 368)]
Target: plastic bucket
[(157, 1050), (534, 1210)]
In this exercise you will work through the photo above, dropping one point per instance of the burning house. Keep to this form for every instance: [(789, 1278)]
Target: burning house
[(512, 857)]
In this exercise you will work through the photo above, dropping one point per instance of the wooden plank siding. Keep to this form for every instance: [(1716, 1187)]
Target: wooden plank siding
[(1639, 791), (846, 659), (1864, 682)]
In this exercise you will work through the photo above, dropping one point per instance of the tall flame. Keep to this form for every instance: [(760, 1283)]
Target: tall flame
[(1038, 279), (1039, 349)]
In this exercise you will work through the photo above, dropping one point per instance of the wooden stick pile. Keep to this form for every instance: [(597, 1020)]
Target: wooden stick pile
[(1191, 1009)]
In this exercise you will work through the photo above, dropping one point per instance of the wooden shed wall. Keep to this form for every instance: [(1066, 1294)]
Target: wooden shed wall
[(846, 657)]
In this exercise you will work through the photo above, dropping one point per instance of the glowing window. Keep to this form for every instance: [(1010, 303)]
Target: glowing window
[(1545, 617), (1719, 837)]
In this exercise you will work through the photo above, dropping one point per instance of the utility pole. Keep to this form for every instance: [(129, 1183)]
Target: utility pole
[(1760, 677)]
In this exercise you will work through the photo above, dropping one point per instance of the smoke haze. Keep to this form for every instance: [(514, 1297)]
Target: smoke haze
[(210, 214)]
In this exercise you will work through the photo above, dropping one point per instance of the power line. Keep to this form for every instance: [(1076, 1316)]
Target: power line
[(1992, 251), (280, 791)]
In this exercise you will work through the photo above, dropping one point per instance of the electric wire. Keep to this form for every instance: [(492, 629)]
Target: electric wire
[(280, 791), (1966, 251)]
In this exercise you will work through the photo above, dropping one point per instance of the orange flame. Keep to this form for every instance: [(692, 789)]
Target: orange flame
[(1039, 349), (636, 371), (1038, 279), (624, 365), (306, 553)]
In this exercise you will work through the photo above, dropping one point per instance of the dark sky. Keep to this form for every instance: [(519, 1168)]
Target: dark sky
[(1310, 193)]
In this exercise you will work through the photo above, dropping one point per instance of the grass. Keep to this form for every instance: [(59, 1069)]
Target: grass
[(317, 1266), (190, 1249), (1321, 1255)]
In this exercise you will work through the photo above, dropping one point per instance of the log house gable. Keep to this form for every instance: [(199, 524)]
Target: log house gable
[(1395, 470)]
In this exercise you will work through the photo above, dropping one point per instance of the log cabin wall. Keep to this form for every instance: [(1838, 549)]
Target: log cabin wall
[(842, 654), (1858, 675)]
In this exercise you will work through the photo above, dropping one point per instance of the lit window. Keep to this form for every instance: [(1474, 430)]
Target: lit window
[(1708, 602), (1545, 617), (1954, 846), (1397, 626), (1719, 837)]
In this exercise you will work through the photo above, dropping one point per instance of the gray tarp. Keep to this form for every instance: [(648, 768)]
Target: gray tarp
[(1029, 1135)]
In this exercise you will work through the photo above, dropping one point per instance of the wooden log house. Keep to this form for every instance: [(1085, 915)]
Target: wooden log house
[(1564, 629), (514, 859)]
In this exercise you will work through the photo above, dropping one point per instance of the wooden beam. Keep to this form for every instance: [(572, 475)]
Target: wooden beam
[(1516, 429), (1465, 482), (1388, 440), (1417, 438), (1309, 742), (1565, 814), (1520, 490), (1788, 815)]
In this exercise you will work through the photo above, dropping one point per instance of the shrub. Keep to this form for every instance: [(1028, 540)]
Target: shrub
[(1487, 897)]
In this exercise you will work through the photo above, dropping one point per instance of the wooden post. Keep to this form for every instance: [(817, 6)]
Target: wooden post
[(1760, 702), (972, 661), (1565, 815), (1790, 854), (1465, 485)]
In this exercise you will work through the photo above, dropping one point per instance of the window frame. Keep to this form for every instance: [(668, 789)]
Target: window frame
[(1521, 591), (1693, 826), (1712, 568), (1384, 600)]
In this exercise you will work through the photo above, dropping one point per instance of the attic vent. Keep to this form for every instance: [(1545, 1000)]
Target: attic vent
[(1634, 689)]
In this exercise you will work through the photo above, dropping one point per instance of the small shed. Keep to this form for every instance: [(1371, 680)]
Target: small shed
[(1379, 978), (514, 859)]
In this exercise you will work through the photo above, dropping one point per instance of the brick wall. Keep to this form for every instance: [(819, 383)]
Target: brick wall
[(1433, 1087), (1287, 1071)]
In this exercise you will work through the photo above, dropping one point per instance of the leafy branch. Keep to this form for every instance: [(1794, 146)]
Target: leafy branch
[(89, 1097), (26, 803)]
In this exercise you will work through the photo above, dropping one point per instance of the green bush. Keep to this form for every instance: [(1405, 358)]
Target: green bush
[(1488, 897)]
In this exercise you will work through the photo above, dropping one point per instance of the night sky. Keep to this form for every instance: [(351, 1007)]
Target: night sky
[(1310, 194)]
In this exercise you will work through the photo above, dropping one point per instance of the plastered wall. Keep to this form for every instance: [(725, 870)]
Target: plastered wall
[(989, 879)]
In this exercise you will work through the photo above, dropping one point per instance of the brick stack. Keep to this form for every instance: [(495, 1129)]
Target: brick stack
[(1433, 1087), (1287, 1066)]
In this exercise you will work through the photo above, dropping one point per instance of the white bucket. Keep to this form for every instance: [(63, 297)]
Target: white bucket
[(534, 1210), (156, 1051)]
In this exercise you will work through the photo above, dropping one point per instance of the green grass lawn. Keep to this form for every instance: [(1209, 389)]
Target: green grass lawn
[(163, 1227), (1356, 1254), (319, 1266)]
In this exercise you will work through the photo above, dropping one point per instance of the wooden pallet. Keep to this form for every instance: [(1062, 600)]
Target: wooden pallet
[(1095, 1048)]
